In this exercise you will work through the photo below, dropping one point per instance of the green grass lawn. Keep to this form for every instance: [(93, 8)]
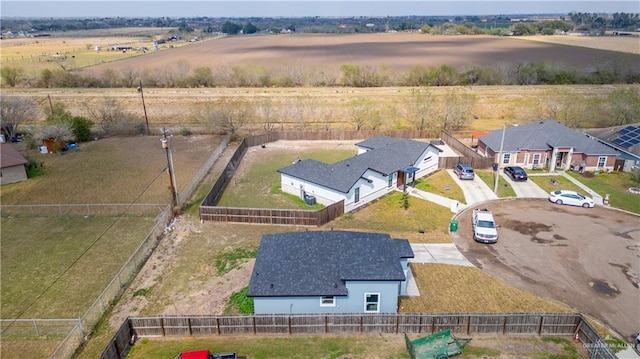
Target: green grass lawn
[(545, 182), (259, 185), (57, 267), (441, 183), (616, 185), (504, 188)]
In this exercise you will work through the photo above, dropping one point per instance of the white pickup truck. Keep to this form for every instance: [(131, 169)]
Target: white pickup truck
[(485, 229)]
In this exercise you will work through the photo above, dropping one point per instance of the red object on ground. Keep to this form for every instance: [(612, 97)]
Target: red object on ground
[(197, 354)]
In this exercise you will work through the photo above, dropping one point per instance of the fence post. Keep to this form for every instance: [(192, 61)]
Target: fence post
[(254, 324), (468, 324), (35, 325), (218, 324), (326, 324), (504, 324), (540, 325), (189, 326), (420, 324), (361, 324), (162, 326), (289, 325), (397, 323)]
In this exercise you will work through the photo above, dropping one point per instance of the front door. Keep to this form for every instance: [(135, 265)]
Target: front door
[(400, 180)]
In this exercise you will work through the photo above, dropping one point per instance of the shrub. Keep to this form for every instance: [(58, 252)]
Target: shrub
[(588, 174), (185, 131), (81, 128), (240, 300)]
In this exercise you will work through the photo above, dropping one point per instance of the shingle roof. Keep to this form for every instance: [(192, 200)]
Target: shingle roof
[(10, 157), (544, 136), (386, 155), (314, 263)]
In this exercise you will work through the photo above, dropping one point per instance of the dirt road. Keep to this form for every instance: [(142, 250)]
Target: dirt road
[(586, 258)]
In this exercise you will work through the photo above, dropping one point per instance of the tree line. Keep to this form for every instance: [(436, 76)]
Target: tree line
[(350, 75)]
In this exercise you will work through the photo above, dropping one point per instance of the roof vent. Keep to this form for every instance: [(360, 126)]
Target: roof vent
[(271, 286)]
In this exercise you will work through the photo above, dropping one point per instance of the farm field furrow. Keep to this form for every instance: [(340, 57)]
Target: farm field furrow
[(395, 51)]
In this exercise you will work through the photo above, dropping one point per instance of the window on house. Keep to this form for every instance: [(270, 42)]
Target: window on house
[(506, 158), (357, 195), (372, 302), (526, 158), (536, 159), (389, 180), (602, 160), (328, 301), (428, 159)]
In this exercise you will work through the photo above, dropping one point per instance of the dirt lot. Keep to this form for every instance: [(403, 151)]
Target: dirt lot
[(586, 258)]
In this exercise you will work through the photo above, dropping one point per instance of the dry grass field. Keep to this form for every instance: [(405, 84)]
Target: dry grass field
[(77, 49), (315, 108)]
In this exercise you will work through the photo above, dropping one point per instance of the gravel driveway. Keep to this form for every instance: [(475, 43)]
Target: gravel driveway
[(586, 258)]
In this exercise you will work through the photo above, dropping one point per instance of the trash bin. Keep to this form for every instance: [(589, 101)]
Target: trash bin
[(453, 225)]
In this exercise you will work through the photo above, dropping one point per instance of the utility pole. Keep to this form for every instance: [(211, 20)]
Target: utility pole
[(146, 119), (495, 188), (166, 144)]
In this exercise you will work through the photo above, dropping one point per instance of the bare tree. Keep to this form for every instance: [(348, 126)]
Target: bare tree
[(456, 110), (624, 105), (562, 106), (15, 110), (265, 109), (421, 109), (109, 114), (226, 115), (361, 111)]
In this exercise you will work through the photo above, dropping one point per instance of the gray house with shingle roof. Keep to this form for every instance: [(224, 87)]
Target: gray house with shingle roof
[(382, 164), (329, 272), (547, 145)]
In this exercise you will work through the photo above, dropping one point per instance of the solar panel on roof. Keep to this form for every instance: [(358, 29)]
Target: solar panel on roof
[(618, 141), (634, 141), (624, 138), (624, 131)]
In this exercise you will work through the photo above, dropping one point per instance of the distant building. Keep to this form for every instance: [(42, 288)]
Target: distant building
[(12, 165)]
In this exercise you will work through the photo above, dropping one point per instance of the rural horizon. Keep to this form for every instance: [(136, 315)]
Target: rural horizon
[(297, 9)]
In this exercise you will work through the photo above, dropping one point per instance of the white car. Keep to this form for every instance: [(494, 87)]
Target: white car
[(571, 198)]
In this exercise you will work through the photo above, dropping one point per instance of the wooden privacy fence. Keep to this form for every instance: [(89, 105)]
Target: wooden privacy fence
[(292, 217), (550, 324), (210, 212), (475, 162)]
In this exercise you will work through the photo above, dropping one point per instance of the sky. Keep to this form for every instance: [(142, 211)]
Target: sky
[(326, 8)]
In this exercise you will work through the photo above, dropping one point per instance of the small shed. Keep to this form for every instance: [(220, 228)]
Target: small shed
[(52, 145), (12, 165)]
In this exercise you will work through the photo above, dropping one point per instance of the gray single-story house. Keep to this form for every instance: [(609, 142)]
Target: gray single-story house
[(382, 164), (12, 165), (329, 272), (547, 145), (625, 139)]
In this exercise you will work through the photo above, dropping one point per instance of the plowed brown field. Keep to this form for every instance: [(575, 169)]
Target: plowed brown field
[(394, 51)]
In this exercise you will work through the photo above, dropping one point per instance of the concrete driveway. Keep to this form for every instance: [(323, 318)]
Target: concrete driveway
[(524, 189), (475, 191), (587, 258)]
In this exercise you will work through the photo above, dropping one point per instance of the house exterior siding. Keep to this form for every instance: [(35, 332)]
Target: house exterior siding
[(351, 303), (13, 174), (371, 186)]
